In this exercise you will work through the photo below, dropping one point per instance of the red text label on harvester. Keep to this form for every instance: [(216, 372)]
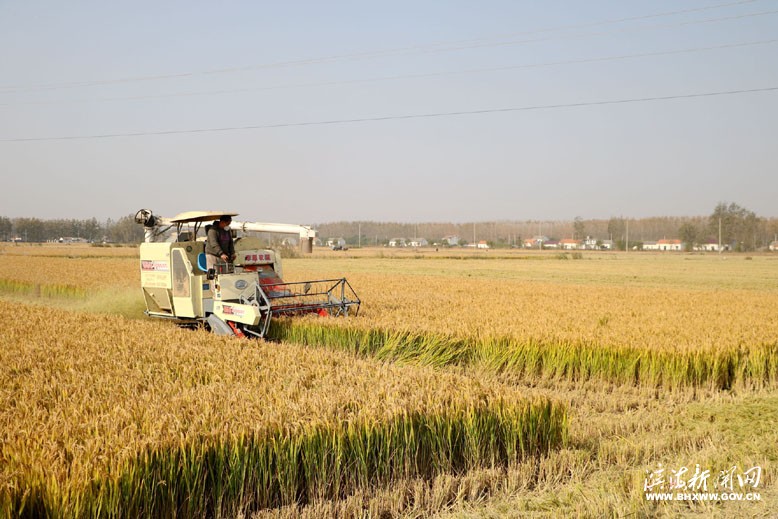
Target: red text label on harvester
[(256, 257), (231, 310), (152, 265)]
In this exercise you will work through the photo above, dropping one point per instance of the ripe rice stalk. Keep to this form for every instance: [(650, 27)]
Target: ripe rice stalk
[(283, 468), (672, 303), (100, 415), (755, 366)]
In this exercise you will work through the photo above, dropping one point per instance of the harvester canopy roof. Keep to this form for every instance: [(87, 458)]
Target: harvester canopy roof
[(200, 216)]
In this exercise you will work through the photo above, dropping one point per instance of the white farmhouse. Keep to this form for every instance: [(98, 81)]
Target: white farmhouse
[(674, 245), (569, 244)]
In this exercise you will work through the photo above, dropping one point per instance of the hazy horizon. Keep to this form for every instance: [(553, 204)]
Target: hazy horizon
[(434, 112)]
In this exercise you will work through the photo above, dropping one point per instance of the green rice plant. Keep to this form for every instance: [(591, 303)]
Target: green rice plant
[(27, 288), (249, 473), (755, 366)]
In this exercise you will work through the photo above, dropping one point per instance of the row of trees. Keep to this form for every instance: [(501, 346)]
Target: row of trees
[(741, 229), (731, 224), (123, 230)]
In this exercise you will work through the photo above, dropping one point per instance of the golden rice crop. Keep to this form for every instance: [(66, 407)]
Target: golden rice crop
[(568, 322), (101, 416), (659, 319), (558, 301), (533, 360), (671, 302), (59, 250), (667, 319), (83, 272)]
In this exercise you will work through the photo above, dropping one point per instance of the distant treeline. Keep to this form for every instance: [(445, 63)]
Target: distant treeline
[(123, 230), (740, 229)]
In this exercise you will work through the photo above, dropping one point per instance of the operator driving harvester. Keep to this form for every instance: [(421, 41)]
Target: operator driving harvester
[(233, 298)]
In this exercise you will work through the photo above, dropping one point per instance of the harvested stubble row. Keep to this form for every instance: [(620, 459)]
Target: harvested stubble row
[(104, 416)]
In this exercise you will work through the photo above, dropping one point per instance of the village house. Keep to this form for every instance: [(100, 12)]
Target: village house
[(590, 243), (398, 242), (418, 242), (569, 244), (663, 245), (708, 246), (451, 240), (535, 243), (675, 245)]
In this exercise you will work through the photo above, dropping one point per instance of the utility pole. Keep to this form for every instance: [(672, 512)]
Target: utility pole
[(626, 245), (474, 242), (719, 234), (359, 232)]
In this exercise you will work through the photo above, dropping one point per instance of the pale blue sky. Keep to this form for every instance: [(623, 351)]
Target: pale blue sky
[(202, 65)]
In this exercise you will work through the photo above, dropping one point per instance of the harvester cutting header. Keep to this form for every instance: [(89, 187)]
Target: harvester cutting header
[(238, 297)]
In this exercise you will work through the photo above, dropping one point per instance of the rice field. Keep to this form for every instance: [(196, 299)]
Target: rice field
[(652, 302), (87, 273), (667, 320), (638, 359), (166, 422)]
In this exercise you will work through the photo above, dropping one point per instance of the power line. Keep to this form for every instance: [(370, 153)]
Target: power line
[(473, 43), (630, 30), (405, 76), (394, 117)]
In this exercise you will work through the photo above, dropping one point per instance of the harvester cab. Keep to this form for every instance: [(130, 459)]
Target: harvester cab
[(239, 298)]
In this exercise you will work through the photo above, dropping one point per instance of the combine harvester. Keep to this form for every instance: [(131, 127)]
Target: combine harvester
[(237, 298)]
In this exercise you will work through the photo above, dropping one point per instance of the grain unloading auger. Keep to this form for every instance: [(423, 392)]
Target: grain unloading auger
[(239, 298)]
